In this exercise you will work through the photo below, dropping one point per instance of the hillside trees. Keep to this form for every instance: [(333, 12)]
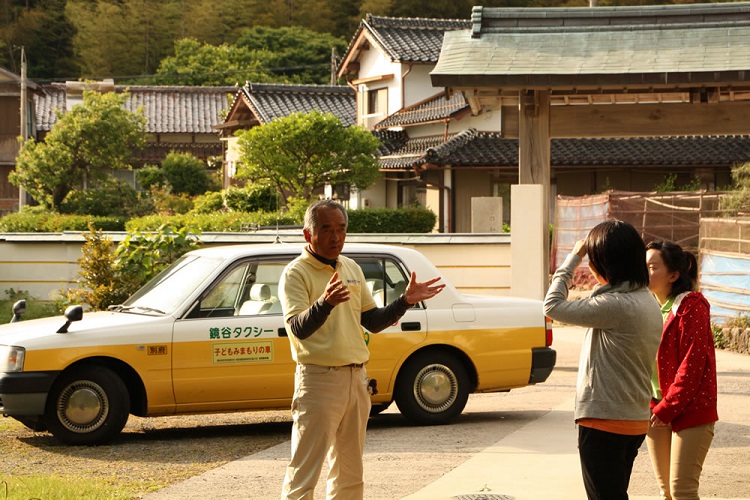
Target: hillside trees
[(304, 151), (87, 141), (260, 55)]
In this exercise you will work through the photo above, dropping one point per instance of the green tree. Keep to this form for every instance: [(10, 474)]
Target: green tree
[(185, 173), (196, 63), (739, 200), (124, 37), (296, 54), (304, 151), (84, 144)]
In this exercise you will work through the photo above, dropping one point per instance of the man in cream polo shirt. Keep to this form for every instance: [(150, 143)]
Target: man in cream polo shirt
[(325, 302)]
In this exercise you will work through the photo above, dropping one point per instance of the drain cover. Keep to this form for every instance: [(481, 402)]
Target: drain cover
[(483, 496)]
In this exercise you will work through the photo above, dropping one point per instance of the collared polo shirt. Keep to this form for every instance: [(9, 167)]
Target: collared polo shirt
[(340, 341)]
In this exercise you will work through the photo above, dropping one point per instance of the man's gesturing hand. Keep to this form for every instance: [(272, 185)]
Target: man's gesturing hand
[(417, 292), (336, 292)]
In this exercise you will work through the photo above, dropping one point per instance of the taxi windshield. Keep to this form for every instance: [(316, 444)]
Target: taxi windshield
[(171, 287)]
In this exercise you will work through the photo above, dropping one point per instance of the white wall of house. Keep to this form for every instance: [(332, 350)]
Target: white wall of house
[(418, 84)]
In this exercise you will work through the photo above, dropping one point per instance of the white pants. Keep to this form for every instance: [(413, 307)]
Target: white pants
[(330, 409)]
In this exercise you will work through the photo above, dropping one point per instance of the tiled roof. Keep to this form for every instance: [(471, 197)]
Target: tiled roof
[(411, 39), (180, 109), (435, 108), (46, 103), (270, 101), (664, 44), (168, 109), (410, 154), (472, 148), (390, 141)]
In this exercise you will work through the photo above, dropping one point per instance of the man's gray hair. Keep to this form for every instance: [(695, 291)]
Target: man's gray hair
[(311, 214)]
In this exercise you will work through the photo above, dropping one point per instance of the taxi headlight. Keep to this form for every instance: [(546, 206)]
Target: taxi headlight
[(11, 358)]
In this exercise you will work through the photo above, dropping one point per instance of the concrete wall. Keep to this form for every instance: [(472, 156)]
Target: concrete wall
[(44, 263)]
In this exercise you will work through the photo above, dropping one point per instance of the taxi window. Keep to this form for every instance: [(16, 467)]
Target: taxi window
[(385, 278), (249, 288)]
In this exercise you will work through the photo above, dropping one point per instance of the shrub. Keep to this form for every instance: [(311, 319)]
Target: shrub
[(110, 197), (384, 220), (34, 308), (213, 222), (45, 222), (720, 340), (255, 198), (151, 176), (167, 203), (109, 274), (210, 202), (185, 173)]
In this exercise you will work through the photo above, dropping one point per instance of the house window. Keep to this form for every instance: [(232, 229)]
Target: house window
[(377, 102), (374, 106)]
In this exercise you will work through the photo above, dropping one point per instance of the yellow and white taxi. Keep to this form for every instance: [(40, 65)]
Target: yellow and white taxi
[(207, 335)]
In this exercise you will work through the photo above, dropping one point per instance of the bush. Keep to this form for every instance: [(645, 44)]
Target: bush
[(720, 340), (384, 220), (166, 203), (150, 176), (50, 222), (110, 275), (185, 173), (213, 222), (111, 197), (255, 198), (210, 202)]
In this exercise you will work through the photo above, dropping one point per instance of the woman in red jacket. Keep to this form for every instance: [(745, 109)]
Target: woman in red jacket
[(684, 379)]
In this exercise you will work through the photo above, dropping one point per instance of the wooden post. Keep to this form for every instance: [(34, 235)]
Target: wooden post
[(534, 154)]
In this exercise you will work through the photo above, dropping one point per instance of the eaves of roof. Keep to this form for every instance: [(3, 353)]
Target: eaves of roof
[(271, 101), (471, 148), (433, 109), (404, 40), (564, 47)]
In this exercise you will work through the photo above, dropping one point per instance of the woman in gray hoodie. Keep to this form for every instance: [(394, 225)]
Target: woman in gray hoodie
[(614, 372)]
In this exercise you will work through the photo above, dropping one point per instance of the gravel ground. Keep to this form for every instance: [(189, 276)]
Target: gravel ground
[(151, 452)]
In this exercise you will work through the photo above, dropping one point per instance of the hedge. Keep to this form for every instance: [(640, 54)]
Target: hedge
[(47, 222)]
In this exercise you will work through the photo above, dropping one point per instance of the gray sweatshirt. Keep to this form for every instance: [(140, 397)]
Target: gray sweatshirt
[(619, 348)]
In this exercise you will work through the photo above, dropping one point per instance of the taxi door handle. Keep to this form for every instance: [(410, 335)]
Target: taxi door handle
[(411, 326)]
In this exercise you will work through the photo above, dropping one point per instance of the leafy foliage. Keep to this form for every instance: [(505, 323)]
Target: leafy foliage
[(109, 274), (297, 55), (196, 63), (384, 220), (303, 151), (670, 185), (111, 197), (253, 198), (185, 174), (141, 256), (84, 144), (738, 201), (34, 221), (214, 222), (208, 202)]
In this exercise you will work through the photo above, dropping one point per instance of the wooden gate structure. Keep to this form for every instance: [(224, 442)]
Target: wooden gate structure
[(666, 70)]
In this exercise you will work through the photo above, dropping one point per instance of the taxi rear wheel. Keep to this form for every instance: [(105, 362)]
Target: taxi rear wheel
[(432, 388), (87, 405)]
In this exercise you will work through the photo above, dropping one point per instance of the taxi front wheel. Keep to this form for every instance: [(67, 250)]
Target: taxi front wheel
[(432, 388), (87, 405)]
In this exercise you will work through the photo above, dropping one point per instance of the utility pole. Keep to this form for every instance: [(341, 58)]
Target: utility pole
[(24, 123), (333, 65)]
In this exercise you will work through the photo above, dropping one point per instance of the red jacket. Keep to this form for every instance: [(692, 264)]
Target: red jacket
[(686, 362)]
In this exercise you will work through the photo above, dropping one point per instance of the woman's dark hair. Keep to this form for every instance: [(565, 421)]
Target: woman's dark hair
[(617, 253), (679, 261)]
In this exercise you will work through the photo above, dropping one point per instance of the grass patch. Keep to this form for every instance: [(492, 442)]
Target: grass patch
[(58, 488)]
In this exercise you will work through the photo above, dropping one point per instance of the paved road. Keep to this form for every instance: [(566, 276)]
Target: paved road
[(519, 445)]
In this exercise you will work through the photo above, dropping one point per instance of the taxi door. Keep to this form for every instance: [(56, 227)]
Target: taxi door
[(231, 350)]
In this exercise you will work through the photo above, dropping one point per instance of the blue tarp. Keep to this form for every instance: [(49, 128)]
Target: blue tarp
[(725, 282)]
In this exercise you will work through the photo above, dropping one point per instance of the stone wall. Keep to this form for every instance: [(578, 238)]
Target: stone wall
[(738, 339)]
